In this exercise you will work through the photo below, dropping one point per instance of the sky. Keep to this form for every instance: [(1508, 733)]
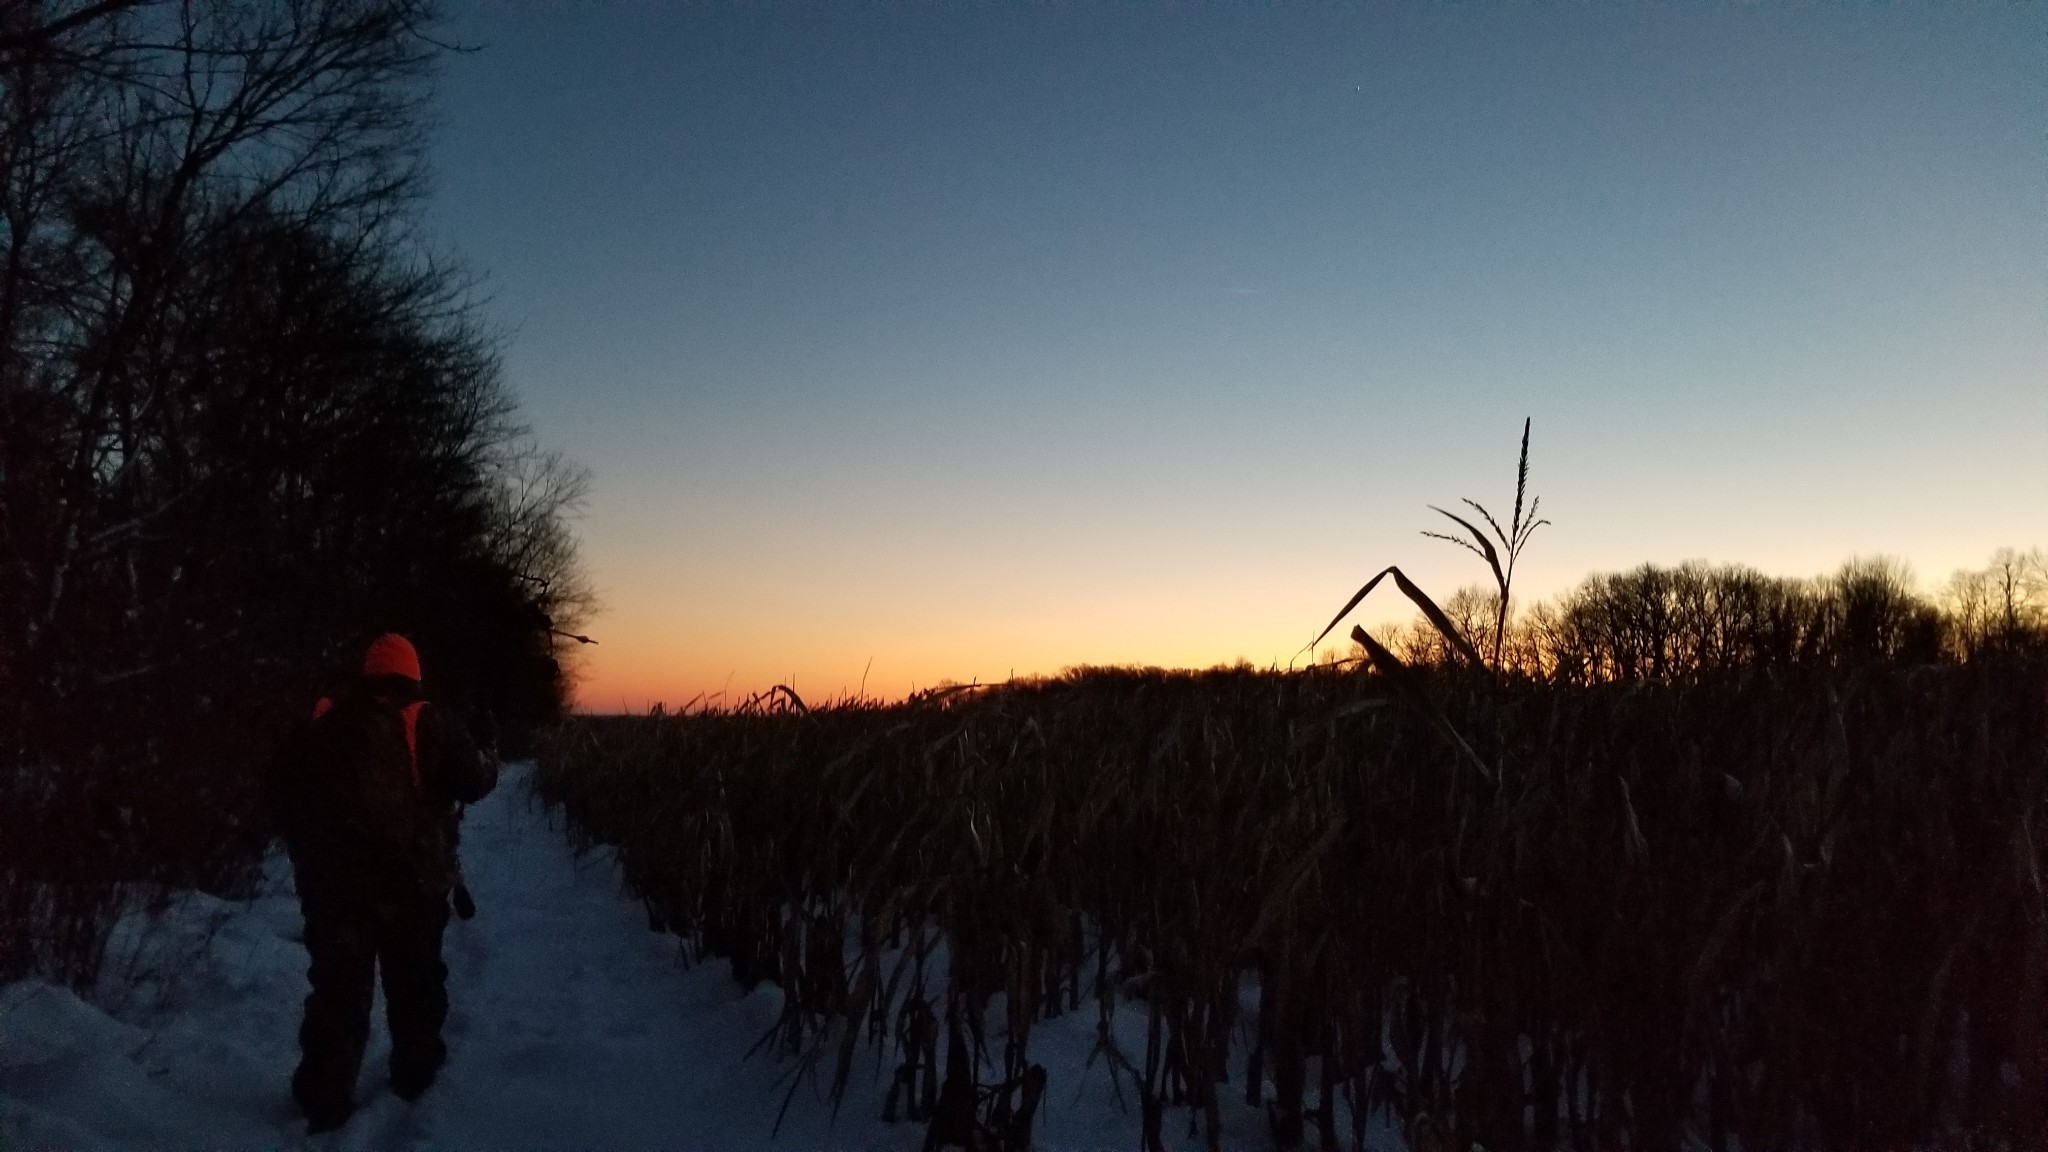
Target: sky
[(930, 342)]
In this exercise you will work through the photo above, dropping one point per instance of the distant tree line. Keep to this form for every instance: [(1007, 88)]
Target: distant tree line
[(1675, 623), (248, 418)]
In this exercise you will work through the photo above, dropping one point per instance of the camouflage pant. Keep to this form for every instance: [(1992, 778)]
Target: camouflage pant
[(348, 940)]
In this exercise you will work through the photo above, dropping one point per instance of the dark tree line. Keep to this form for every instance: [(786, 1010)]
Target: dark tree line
[(248, 418), (1678, 623)]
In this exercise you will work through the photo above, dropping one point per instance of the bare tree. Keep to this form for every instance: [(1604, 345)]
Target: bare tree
[(2001, 607), (246, 415), (138, 138)]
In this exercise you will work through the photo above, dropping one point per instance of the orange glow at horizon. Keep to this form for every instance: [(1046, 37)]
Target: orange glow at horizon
[(694, 653), (691, 653), (650, 668)]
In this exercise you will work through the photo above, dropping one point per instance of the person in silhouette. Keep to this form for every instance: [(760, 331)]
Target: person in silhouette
[(362, 796)]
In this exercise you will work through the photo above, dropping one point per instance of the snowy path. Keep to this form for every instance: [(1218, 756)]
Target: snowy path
[(572, 1026)]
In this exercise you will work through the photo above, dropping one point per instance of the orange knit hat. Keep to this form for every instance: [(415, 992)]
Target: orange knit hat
[(391, 655)]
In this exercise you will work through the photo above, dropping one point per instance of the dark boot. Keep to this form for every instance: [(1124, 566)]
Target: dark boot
[(324, 1111), (413, 1069), (328, 1121)]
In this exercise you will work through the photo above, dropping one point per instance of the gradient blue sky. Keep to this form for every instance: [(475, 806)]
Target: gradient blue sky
[(929, 341)]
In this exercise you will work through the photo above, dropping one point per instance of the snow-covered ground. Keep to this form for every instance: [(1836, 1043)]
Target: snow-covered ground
[(572, 1027)]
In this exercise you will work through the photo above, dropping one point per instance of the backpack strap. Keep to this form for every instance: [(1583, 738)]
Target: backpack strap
[(411, 714)]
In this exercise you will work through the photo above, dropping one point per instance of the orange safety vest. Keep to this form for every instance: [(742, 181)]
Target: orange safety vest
[(410, 714)]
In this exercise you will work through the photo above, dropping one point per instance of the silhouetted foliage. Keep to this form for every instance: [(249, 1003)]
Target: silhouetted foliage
[(2002, 607), (1695, 619), (1504, 549), (247, 420)]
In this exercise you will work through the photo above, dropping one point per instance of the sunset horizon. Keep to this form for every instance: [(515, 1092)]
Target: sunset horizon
[(925, 346), (1284, 647)]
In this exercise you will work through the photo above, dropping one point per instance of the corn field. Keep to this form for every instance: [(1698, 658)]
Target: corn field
[(1794, 907)]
